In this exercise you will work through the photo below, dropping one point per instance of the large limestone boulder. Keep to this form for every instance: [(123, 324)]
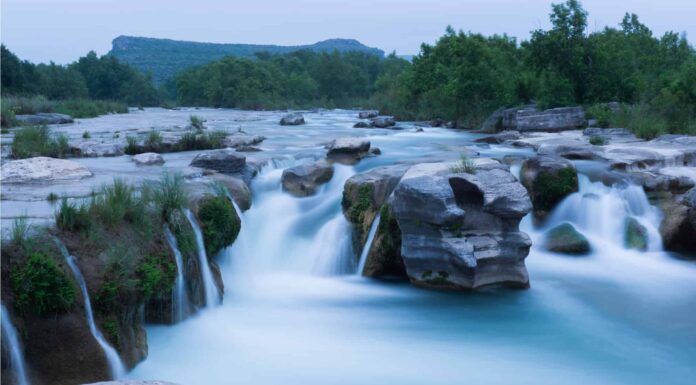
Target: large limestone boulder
[(548, 179), (293, 119), (460, 231), (303, 180), (226, 161), (243, 140), (368, 114), (383, 121), (565, 239), (678, 228), (348, 150), (43, 118), (552, 120), (148, 159), (42, 169), (238, 189)]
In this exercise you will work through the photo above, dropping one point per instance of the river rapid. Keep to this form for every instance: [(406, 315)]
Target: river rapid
[(295, 311)]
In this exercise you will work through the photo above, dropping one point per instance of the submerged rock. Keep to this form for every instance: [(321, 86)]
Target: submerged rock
[(42, 169), (226, 161), (348, 150), (565, 239), (548, 180), (303, 180), (148, 159), (361, 125), (383, 121), (238, 189), (43, 118), (460, 231), (635, 235), (293, 119)]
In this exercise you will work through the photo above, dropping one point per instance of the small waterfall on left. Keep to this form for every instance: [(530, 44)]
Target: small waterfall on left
[(212, 296), (9, 334), (179, 296), (112, 357), (368, 244)]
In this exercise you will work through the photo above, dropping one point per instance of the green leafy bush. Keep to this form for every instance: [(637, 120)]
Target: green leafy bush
[(602, 113), (196, 122), (41, 287), (156, 276), (153, 141), (86, 135), (131, 145), (219, 222), (33, 141), (598, 140)]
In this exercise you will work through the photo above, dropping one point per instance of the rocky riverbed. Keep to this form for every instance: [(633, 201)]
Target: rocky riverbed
[(316, 202)]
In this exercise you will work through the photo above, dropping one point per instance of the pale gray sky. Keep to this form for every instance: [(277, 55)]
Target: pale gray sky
[(63, 30)]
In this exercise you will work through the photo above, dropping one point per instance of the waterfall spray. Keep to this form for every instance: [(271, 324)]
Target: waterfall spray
[(368, 244), (179, 296), (9, 334), (212, 296)]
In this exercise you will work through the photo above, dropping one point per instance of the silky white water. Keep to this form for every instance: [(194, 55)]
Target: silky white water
[(212, 296), (114, 360), (179, 296), (11, 341), (368, 244)]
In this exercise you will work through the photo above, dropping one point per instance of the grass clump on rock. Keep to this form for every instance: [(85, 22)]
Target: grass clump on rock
[(219, 222), (196, 122), (34, 141), (464, 165), (41, 287), (598, 140)]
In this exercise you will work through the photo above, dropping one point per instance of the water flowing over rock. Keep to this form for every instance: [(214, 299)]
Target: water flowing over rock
[(303, 180), (294, 119), (42, 170), (548, 180), (348, 150), (148, 159), (565, 239), (460, 231), (212, 293), (226, 161), (636, 236), (11, 341), (180, 302), (237, 188), (552, 120), (43, 118)]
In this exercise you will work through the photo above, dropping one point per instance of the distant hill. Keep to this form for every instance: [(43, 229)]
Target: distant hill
[(164, 57)]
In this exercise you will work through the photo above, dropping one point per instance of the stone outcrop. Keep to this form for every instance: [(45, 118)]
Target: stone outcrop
[(293, 119), (678, 228), (460, 231), (548, 180), (382, 121), (42, 169), (43, 118), (552, 120), (348, 150), (368, 114), (500, 137), (226, 161), (238, 189), (242, 140), (565, 239), (361, 125), (635, 235), (303, 180), (148, 159)]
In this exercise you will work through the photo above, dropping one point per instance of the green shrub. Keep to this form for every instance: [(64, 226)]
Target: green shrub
[(197, 122), (72, 217), (77, 108), (110, 328), (598, 140), (357, 210), (118, 202), (153, 141), (86, 135), (169, 194), (191, 141), (642, 121), (551, 189), (33, 141), (464, 165), (20, 231), (52, 197), (40, 287), (219, 221), (600, 112), (131, 145), (156, 276)]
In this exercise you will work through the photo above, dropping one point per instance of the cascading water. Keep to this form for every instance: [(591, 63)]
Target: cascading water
[(212, 296), (10, 339), (179, 297), (112, 357), (601, 212), (368, 244)]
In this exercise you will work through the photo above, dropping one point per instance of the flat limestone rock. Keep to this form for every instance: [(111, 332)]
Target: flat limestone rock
[(42, 169)]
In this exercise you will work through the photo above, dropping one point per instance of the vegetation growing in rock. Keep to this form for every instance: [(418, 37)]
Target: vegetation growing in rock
[(598, 140), (363, 202), (40, 286), (553, 188), (156, 276), (219, 222), (33, 141), (169, 194), (196, 122), (464, 165)]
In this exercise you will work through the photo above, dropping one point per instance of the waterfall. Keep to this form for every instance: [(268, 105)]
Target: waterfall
[(212, 296), (600, 213), (9, 334), (368, 244), (112, 357), (179, 296)]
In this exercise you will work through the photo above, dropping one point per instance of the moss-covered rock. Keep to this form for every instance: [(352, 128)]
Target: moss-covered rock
[(635, 235), (384, 258), (41, 287), (219, 222), (548, 180), (565, 239)]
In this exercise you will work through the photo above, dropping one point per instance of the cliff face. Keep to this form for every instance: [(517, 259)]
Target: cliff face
[(163, 58)]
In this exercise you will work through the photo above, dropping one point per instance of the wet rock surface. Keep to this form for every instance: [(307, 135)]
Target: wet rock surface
[(148, 159), (548, 180), (348, 150), (226, 161), (294, 119), (565, 239), (304, 180)]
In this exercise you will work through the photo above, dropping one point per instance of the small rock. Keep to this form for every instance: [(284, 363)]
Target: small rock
[(565, 239), (368, 114), (635, 235), (383, 121), (293, 119), (361, 125), (303, 180), (148, 159), (226, 161), (375, 151), (348, 150)]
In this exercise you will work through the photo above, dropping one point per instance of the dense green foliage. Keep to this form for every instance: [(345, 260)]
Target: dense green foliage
[(41, 287), (219, 222), (156, 276), (298, 79), (33, 141), (73, 89), (164, 58), (551, 189)]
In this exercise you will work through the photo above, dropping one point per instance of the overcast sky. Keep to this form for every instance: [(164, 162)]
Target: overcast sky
[(63, 30)]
